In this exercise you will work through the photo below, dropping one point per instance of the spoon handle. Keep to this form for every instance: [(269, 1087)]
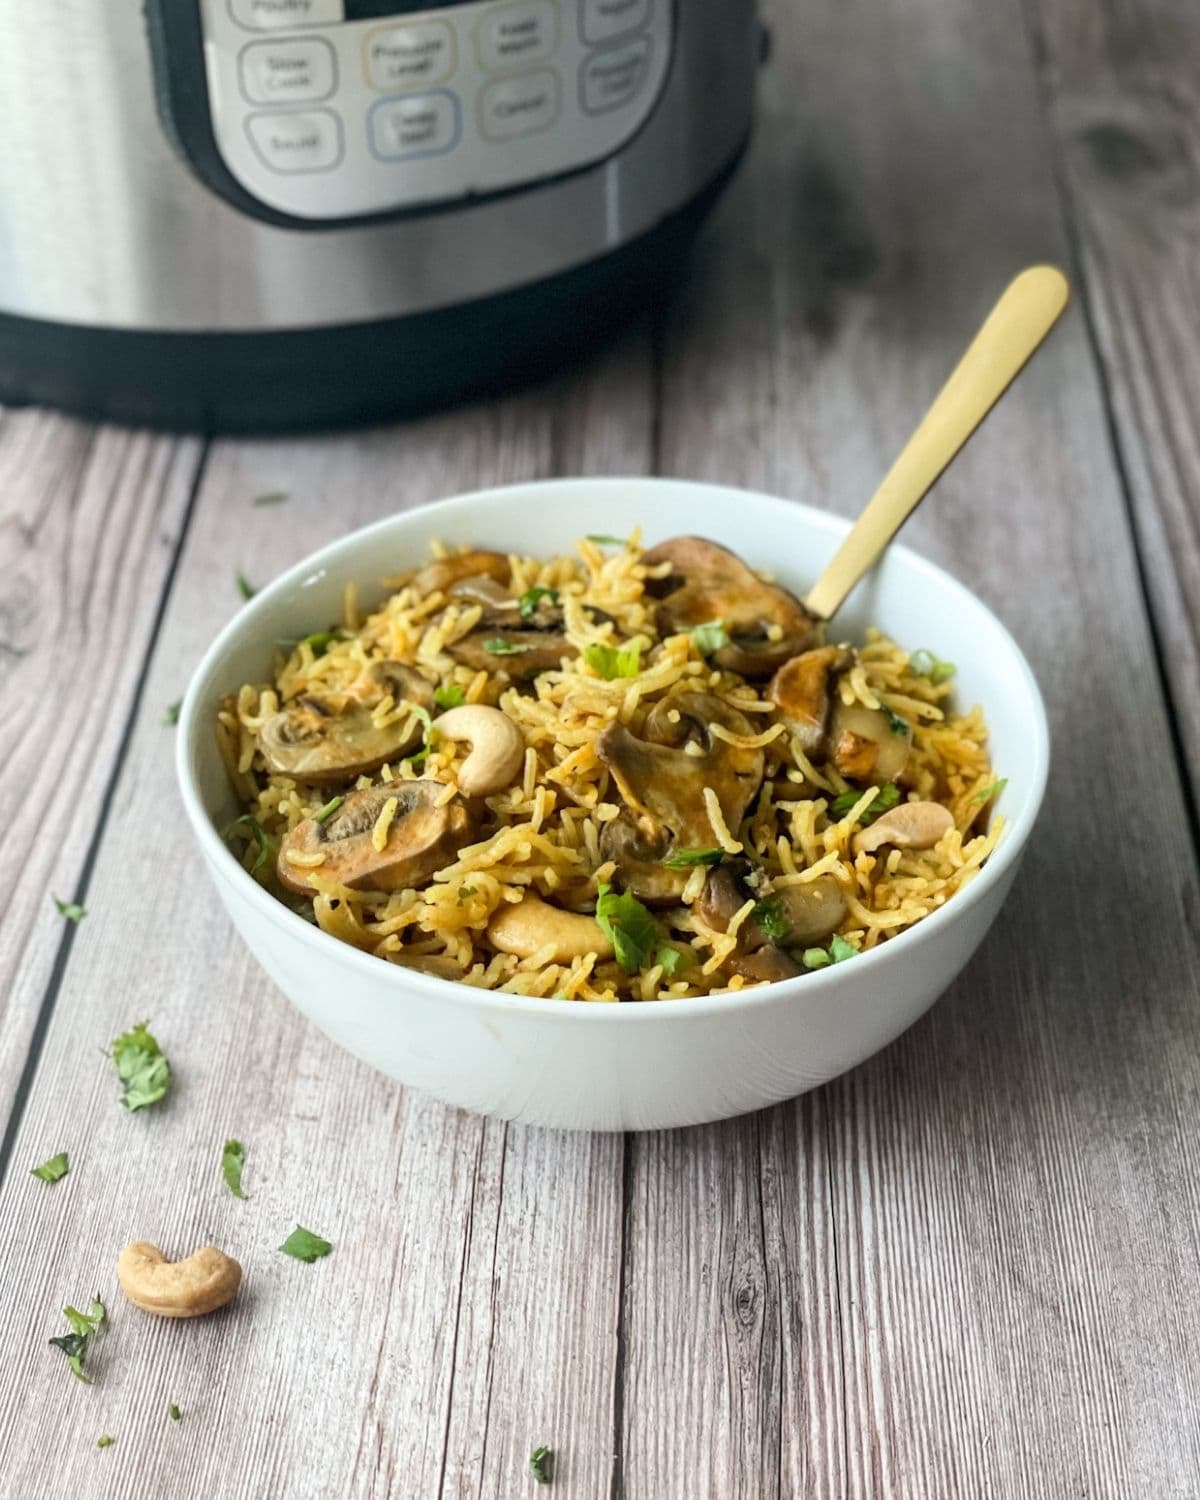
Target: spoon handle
[(1024, 315)]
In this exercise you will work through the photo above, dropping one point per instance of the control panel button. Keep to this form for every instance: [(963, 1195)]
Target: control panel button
[(522, 105), (297, 142), (274, 15), (613, 77), (414, 125), (603, 20), (401, 57), (511, 35), (276, 72)]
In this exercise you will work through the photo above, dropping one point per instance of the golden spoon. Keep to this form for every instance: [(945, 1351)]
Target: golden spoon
[(1014, 328)]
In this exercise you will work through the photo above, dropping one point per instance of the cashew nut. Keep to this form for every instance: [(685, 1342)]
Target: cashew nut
[(206, 1280), (497, 747), (531, 925), (912, 825)]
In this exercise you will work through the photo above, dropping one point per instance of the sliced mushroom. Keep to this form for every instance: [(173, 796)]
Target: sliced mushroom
[(868, 745), (912, 825), (707, 582), (505, 643), (444, 572), (497, 747), (802, 690), (421, 838), (317, 739), (383, 677), (765, 965), (528, 926), (663, 775), (810, 912)]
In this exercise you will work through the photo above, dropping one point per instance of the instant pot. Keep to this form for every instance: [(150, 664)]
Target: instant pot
[(254, 214)]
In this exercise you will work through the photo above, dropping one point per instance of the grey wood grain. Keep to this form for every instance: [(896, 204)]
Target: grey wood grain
[(1122, 81), (89, 523)]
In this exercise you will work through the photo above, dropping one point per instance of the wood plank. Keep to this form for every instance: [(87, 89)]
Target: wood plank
[(1122, 81), (468, 1310), (1014, 1183), (89, 524)]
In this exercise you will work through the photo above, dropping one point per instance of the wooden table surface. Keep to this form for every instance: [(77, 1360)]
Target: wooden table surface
[(969, 1268)]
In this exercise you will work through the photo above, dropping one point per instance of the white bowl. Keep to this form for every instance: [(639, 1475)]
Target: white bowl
[(630, 1066)]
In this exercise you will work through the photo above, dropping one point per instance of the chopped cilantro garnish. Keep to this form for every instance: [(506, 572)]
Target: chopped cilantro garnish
[(628, 926), (895, 723), (173, 1412), (275, 497), (171, 715), (449, 695), (244, 587), (328, 810), (104, 1441), (69, 910), (233, 1159), (926, 664), (669, 959), (886, 797), (541, 1464), (815, 958), (989, 792), (52, 1169), (498, 646), (613, 661), (840, 950), (528, 602), (260, 838), (709, 637), (321, 640), (303, 1244), (688, 859), (74, 1344), (601, 540), (768, 915), (141, 1067)]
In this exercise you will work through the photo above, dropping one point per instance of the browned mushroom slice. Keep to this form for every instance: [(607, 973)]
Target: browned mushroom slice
[(383, 677), (795, 917), (707, 582), (421, 838), (318, 740), (767, 965), (663, 776), (444, 572), (802, 690), (521, 653), (868, 745)]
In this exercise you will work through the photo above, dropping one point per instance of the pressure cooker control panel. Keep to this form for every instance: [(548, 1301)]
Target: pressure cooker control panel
[(336, 109)]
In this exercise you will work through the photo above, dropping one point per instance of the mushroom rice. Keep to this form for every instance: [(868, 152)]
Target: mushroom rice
[(622, 775)]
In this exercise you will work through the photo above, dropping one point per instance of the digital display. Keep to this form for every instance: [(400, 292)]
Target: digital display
[(366, 10)]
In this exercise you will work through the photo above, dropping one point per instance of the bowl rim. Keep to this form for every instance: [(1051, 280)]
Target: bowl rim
[(321, 562)]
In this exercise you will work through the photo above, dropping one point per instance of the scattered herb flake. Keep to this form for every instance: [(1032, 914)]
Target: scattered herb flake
[(669, 959), (528, 602), (926, 664), (321, 640), (173, 1412), (840, 950), (815, 958), (104, 1441), (233, 1159), (611, 662), (260, 838), (886, 798), (688, 859), (989, 792), (449, 695), (709, 637), (465, 892), (70, 910), (895, 723), (275, 497), (51, 1170), (498, 646), (769, 917), (171, 715), (303, 1244), (74, 1344), (628, 926), (141, 1067), (602, 540), (541, 1464), (244, 587), (328, 810)]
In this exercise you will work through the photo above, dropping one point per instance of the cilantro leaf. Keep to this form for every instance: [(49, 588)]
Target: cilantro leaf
[(628, 926), (260, 838), (141, 1067), (246, 589), (303, 1244), (498, 646), (52, 1169), (233, 1159), (171, 715), (449, 695), (601, 540), (709, 637), (886, 797), (688, 859), (321, 640), (327, 812), (926, 664), (895, 723), (771, 920), (104, 1441), (989, 792), (815, 958), (74, 1344), (840, 950), (669, 959), (69, 910), (541, 1464), (173, 1412), (275, 497), (613, 661), (528, 602)]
